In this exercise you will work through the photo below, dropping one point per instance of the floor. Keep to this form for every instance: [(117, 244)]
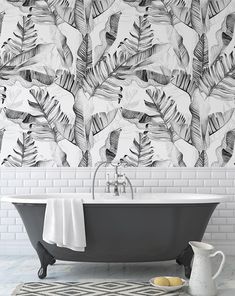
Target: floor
[(15, 270)]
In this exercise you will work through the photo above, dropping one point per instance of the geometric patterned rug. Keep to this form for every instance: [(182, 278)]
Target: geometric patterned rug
[(86, 288)]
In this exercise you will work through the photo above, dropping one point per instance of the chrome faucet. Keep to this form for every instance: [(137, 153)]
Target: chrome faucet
[(115, 183)]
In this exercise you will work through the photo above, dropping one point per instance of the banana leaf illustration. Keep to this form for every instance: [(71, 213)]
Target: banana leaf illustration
[(100, 6), (103, 81), (109, 150), (224, 36), (225, 151), (107, 36), (100, 121), (2, 14), (141, 153), (218, 80), (52, 113), (2, 131), (201, 58), (202, 160), (84, 59), (140, 119), (165, 109), (24, 154)]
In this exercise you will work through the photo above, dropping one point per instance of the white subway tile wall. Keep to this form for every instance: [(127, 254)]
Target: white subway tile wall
[(220, 231)]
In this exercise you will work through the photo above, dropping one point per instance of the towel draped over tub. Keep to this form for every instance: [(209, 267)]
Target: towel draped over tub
[(64, 223)]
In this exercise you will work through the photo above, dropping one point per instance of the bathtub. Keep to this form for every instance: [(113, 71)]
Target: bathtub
[(151, 227)]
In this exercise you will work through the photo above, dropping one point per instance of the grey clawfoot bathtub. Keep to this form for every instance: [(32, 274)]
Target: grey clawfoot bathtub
[(152, 227)]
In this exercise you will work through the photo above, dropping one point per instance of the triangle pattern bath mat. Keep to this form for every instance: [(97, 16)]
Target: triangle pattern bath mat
[(87, 289)]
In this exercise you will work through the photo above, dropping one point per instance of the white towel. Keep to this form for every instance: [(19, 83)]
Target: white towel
[(64, 223)]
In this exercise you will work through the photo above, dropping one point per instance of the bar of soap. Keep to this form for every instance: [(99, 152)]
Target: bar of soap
[(175, 281), (161, 281)]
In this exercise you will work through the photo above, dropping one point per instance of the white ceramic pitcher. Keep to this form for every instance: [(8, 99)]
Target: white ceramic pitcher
[(202, 282)]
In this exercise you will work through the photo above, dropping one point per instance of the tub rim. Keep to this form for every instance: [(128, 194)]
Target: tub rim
[(139, 198)]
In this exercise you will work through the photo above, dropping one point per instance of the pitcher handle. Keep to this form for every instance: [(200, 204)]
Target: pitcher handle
[(221, 264)]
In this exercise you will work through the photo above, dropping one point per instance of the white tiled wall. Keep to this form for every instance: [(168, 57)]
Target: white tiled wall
[(220, 231)]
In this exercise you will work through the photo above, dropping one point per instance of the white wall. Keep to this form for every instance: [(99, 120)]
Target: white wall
[(220, 231)]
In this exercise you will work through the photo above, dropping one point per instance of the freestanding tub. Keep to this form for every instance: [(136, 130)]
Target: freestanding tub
[(151, 227)]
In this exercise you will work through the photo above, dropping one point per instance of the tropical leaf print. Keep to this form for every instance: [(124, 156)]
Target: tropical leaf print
[(218, 80), (2, 130), (140, 119), (24, 39), (100, 121), (150, 82), (100, 6), (202, 160), (109, 150), (108, 35), (52, 113), (84, 59), (216, 6), (24, 154), (218, 120), (2, 14), (225, 151), (183, 81), (201, 58), (224, 36), (141, 154), (166, 110)]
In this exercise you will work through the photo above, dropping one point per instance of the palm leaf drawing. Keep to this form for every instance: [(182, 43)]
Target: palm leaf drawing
[(62, 11), (201, 58), (218, 80), (216, 6), (67, 81), (140, 119), (100, 6), (51, 110), (11, 64), (199, 123), (21, 117), (198, 15), (86, 160), (37, 78), (2, 131), (224, 36), (225, 151), (24, 154), (218, 120), (79, 126), (108, 35), (165, 110), (2, 14), (141, 154), (179, 11), (141, 36), (102, 81), (82, 11), (100, 121), (162, 77), (3, 95), (202, 160), (183, 81), (84, 58), (24, 39), (109, 150)]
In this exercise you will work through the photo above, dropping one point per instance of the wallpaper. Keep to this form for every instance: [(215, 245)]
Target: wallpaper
[(144, 82)]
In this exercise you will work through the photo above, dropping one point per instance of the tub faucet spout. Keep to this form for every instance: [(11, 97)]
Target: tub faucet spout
[(119, 180)]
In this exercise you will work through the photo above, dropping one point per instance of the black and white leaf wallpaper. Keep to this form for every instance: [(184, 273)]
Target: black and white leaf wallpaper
[(147, 82)]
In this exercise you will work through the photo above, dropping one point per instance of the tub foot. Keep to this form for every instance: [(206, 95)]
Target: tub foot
[(45, 259), (185, 259)]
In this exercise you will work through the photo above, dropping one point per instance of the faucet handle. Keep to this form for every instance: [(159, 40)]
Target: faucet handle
[(124, 183)]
